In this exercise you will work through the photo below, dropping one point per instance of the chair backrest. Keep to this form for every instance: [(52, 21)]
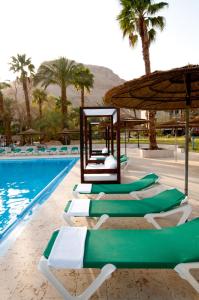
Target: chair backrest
[(75, 148)]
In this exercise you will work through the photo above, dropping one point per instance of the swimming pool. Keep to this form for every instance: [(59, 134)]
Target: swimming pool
[(25, 183)]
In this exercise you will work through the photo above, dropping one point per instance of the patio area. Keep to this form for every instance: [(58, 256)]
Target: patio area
[(20, 279)]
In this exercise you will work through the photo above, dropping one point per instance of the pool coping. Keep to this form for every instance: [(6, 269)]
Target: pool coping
[(41, 197)]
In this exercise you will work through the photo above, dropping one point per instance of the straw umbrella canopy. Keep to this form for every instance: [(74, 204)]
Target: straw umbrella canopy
[(194, 122), (161, 90), (29, 132), (129, 122), (173, 124), (67, 132)]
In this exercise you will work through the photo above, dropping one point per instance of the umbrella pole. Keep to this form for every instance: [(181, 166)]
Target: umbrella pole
[(138, 140), (176, 155), (186, 151), (125, 139)]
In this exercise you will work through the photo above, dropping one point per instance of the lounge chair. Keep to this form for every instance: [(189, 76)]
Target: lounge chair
[(116, 188), (74, 150), (52, 150), (76, 248), (42, 150), (2, 151), (63, 150), (29, 151), (16, 151), (163, 204)]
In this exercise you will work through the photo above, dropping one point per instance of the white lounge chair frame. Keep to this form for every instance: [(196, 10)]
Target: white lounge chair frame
[(185, 209), (183, 270), (77, 195)]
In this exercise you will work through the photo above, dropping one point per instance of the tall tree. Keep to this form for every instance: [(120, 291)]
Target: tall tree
[(39, 97), (23, 66), (84, 80), (9, 111), (3, 85), (138, 19), (59, 72)]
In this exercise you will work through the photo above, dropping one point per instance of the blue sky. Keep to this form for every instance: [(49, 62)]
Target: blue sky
[(87, 31)]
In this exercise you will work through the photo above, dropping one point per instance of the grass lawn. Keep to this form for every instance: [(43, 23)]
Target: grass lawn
[(161, 140), (168, 141)]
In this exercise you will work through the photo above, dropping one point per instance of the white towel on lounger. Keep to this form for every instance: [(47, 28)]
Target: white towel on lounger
[(79, 208), (68, 249), (84, 188)]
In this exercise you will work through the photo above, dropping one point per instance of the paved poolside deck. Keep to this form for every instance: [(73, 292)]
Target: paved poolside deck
[(20, 279)]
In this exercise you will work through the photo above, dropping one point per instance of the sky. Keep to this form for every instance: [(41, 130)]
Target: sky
[(87, 31)]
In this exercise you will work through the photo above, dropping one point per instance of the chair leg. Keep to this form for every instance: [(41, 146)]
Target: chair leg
[(100, 195), (68, 220), (185, 210), (184, 272), (76, 194), (101, 221), (105, 273)]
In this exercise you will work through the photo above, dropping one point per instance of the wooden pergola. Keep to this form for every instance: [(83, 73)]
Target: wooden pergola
[(93, 117)]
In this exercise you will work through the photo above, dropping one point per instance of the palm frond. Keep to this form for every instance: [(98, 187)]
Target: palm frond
[(156, 7), (157, 22), (152, 35)]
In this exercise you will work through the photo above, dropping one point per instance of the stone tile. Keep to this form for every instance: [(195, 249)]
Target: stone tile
[(20, 279)]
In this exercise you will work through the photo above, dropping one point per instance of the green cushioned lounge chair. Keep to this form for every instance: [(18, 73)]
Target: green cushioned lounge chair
[(42, 150), (52, 150), (63, 149), (174, 248), (163, 204), (117, 188), (74, 150), (29, 151), (2, 151)]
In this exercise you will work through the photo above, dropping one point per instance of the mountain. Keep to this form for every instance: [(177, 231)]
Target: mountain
[(104, 79)]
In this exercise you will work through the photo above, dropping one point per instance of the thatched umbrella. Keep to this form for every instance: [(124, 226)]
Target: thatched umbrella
[(29, 132), (67, 132), (130, 124), (161, 90)]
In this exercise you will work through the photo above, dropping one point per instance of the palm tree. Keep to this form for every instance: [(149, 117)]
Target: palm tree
[(39, 97), (23, 66), (138, 19), (3, 85), (84, 79), (9, 111), (59, 72)]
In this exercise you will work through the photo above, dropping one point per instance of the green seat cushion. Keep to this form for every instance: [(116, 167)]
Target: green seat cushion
[(149, 248), (125, 188), (164, 201), (124, 158)]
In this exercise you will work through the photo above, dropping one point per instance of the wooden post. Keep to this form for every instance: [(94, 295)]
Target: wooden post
[(112, 137), (118, 145), (82, 144)]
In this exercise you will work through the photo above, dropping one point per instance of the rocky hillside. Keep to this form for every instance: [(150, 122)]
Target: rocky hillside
[(104, 79)]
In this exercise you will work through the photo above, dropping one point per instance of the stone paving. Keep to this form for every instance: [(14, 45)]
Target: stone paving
[(20, 279)]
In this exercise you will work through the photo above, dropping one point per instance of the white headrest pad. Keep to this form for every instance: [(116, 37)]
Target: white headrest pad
[(110, 162)]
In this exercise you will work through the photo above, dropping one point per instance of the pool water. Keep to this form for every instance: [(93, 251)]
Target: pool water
[(25, 183)]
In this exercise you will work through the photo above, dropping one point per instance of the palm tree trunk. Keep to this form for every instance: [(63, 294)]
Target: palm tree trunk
[(40, 109), (82, 97), (8, 134), (64, 106), (25, 89), (1, 105), (1, 110), (145, 51)]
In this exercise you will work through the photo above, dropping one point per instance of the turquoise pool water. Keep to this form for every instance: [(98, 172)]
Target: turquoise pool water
[(25, 183)]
